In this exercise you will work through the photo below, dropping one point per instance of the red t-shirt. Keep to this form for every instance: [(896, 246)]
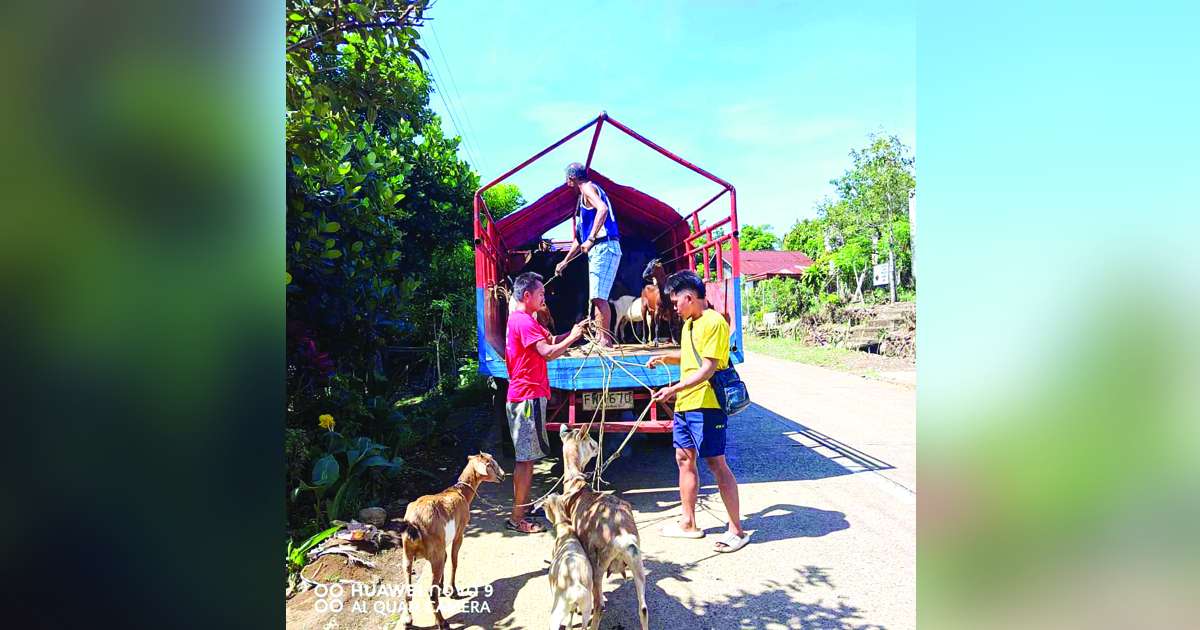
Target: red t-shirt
[(527, 377)]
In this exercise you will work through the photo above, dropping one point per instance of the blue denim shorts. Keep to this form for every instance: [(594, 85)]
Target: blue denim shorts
[(700, 429), (603, 260)]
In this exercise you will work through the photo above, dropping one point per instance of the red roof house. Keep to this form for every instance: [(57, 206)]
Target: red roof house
[(760, 265)]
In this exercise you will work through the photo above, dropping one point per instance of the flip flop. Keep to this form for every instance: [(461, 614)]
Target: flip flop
[(730, 542), (673, 531), (530, 527)]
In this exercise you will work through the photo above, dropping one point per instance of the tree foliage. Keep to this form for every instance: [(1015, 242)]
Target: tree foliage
[(503, 200), (806, 236), (856, 228), (378, 216), (757, 238)]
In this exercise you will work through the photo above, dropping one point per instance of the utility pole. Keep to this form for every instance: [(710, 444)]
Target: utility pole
[(912, 230), (891, 251), (891, 264)]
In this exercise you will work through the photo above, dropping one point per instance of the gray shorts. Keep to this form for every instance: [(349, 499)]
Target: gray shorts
[(527, 426)]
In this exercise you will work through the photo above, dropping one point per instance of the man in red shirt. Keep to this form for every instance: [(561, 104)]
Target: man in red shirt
[(529, 346)]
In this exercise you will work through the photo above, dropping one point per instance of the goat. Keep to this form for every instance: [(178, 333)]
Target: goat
[(620, 310), (651, 310), (436, 520), (604, 523), (542, 315), (570, 570), (655, 274), (628, 309)]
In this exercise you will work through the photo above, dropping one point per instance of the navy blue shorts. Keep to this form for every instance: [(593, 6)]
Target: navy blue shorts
[(700, 429)]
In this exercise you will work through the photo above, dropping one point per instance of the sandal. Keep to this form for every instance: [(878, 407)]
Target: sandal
[(675, 531), (731, 542), (524, 527)]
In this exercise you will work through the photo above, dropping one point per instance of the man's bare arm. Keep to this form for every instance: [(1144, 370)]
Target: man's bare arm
[(667, 358)]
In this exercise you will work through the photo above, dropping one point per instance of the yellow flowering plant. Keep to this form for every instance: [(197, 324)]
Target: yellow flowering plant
[(330, 471)]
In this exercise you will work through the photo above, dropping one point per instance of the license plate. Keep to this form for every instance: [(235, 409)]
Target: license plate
[(615, 400)]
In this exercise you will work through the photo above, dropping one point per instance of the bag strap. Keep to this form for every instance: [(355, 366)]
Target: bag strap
[(692, 338)]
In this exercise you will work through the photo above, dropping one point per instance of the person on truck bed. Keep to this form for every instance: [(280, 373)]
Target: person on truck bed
[(699, 424), (527, 348), (596, 234)]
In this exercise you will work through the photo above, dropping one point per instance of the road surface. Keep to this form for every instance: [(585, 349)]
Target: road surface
[(826, 466)]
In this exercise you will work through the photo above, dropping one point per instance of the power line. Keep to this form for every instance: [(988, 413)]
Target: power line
[(454, 84), (459, 128), (449, 112)]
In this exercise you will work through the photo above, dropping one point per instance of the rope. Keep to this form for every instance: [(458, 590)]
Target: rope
[(608, 355), (567, 260), (594, 348)]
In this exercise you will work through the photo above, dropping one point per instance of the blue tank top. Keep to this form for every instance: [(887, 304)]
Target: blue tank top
[(587, 217)]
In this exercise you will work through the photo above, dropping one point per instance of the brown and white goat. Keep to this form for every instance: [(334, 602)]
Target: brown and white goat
[(435, 521), (604, 524), (655, 275), (570, 570), (651, 310), (542, 315)]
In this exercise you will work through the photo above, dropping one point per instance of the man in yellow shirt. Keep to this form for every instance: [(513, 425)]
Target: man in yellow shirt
[(699, 423)]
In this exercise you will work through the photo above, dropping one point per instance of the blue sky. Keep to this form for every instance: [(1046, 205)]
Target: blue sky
[(770, 96)]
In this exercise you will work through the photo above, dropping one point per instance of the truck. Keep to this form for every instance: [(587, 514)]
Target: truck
[(586, 384)]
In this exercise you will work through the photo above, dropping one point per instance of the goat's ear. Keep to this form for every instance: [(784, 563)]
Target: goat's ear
[(480, 465), (550, 505), (563, 430)]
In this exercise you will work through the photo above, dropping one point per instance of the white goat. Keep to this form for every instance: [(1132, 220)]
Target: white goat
[(628, 309)]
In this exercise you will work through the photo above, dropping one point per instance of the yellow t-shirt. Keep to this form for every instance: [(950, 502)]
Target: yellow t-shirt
[(711, 334)]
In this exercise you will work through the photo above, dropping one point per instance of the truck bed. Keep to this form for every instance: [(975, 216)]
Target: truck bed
[(577, 370), (626, 350)]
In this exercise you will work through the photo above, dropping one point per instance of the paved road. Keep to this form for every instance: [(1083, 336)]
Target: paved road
[(826, 466)]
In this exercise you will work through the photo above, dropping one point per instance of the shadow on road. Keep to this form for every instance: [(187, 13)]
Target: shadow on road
[(763, 447), (780, 604), (783, 521)]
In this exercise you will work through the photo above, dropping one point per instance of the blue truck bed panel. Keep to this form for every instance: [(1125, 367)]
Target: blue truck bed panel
[(584, 373)]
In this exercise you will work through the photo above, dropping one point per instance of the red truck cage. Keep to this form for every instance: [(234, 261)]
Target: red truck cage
[(502, 248)]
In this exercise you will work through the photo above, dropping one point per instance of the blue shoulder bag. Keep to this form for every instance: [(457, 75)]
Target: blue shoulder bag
[(727, 385)]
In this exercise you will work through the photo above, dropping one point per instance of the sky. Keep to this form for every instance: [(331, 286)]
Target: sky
[(770, 96)]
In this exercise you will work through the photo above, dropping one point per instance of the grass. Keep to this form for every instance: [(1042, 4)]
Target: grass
[(792, 350)]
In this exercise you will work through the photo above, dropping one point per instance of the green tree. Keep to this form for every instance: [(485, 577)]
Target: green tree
[(378, 217), (757, 238), (873, 196), (503, 200), (807, 236)]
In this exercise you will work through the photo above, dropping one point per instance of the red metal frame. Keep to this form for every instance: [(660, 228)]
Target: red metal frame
[(490, 244), (491, 237), (651, 424)]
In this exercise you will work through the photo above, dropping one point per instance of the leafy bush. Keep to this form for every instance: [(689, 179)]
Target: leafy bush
[(380, 294), (359, 455)]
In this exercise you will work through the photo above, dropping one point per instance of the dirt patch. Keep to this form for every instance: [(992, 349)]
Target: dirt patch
[(865, 362), (899, 370), (335, 568), (374, 602), (436, 467), (884, 329), (432, 469)]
